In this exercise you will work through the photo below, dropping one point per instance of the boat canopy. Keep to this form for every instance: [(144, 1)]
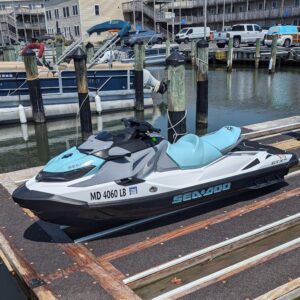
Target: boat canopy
[(111, 25)]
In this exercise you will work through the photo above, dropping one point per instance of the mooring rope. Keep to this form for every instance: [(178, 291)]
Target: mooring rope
[(77, 117), (176, 134)]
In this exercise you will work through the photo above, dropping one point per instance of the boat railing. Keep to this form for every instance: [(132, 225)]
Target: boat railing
[(63, 81), (71, 48), (100, 52)]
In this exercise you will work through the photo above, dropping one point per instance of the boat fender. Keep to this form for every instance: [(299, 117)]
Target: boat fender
[(22, 115), (98, 104), (24, 129)]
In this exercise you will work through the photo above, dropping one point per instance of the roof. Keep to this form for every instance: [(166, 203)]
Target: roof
[(288, 29)]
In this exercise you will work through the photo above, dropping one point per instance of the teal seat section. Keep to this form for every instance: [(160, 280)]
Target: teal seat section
[(192, 152), (223, 138)]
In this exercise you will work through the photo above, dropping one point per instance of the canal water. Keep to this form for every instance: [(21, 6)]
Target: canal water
[(245, 96)]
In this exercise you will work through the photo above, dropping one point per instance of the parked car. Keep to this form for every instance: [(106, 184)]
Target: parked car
[(287, 35), (241, 34), (146, 36), (189, 33)]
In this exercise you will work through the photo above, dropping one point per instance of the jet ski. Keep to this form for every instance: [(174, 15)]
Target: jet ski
[(135, 174)]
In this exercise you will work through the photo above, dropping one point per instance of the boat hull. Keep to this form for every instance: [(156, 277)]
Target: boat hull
[(64, 211)]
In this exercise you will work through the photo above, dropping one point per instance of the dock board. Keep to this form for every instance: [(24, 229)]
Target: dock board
[(51, 266)]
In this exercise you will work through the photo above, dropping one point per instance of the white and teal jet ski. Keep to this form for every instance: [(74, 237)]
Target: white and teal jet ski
[(137, 174)]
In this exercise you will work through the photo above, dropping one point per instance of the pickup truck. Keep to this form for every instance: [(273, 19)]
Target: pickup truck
[(241, 34)]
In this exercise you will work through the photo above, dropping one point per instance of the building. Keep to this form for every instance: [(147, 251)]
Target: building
[(20, 20), (219, 12), (73, 18)]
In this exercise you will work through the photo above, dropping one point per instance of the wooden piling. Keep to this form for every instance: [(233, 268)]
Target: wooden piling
[(79, 57), (58, 48), (230, 55), (202, 85), (257, 53), (193, 52), (272, 64), (139, 55), (34, 87), (168, 48), (9, 53), (89, 51), (176, 96)]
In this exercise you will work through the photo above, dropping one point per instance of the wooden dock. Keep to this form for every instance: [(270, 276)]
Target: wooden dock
[(245, 54), (50, 266)]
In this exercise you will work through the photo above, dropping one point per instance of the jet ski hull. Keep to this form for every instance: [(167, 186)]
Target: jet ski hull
[(56, 209)]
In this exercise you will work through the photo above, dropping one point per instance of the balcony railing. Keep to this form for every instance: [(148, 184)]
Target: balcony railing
[(287, 12)]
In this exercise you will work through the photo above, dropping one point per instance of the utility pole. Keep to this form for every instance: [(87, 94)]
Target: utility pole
[(142, 10), (134, 24), (180, 16), (173, 20), (154, 15), (205, 17), (223, 23)]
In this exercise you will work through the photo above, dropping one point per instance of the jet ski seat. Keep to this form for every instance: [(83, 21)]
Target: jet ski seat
[(192, 151)]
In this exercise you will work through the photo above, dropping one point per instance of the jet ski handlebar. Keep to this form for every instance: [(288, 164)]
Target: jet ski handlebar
[(141, 126)]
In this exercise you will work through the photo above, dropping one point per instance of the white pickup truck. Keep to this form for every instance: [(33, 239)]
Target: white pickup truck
[(241, 34)]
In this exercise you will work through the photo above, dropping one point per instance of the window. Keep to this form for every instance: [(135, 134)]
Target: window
[(48, 15), (56, 13), (75, 10), (77, 30), (249, 28), (297, 2), (97, 10), (238, 28), (260, 6), (2, 6), (257, 28), (274, 4), (66, 12)]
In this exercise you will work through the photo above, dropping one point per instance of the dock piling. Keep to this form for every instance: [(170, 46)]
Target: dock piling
[(9, 53), (34, 87), (176, 96), (89, 51), (168, 48), (79, 58), (193, 52), (202, 85), (230, 55), (272, 64), (257, 53), (139, 54)]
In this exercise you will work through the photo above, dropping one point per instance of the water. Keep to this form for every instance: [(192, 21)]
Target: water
[(245, 96), (8, 286)]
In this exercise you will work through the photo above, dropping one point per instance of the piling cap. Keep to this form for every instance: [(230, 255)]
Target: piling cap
[(175, 59), (138, 42), (78, 53), (29, 52), (202, 44), (89, 45)]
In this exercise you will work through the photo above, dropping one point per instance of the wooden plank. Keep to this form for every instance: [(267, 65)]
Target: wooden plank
[(287, 145), (88, 262), (6, 263), (230, 271), (281, 290), (198, 225), (24, 270), (211, 252)]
